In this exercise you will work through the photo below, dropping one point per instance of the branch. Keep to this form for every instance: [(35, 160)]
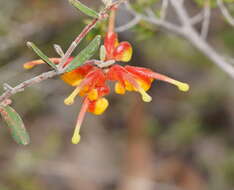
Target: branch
[(187, 31), (86, 30), (153, 19), (206, 21), (10, 91), (181, 13), (191, 34), (225, 12), (76, 42), (164, 9), (129, 25), (197, 18)]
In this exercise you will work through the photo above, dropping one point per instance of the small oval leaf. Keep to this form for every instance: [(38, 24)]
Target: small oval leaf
[(85, 54), (15, 124), (41, 54), (83, 8)]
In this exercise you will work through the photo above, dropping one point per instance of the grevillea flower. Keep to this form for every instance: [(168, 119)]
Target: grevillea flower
[(90, 79)]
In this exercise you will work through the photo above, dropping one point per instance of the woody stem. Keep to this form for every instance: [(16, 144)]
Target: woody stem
[(111, 27)]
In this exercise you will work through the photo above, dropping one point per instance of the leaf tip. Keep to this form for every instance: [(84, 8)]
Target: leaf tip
[(25, 143), (29, 44)]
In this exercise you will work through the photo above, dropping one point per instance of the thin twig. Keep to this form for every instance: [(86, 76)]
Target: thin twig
[(225, 12), (191, 34), (181, 13), (153, 19), (206, 21), (164, 9), (86, 30), (27, 83), (76, 42), (188, 32), (129, 25), (197, 18), (7, 87)]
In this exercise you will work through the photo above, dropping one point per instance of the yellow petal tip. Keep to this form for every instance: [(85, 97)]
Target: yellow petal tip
[(28, 66)]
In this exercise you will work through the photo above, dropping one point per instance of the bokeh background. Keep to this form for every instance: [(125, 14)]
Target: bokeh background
[(179, 141)]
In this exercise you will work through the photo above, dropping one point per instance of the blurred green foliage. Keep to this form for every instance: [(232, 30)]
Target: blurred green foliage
[(213, 3)]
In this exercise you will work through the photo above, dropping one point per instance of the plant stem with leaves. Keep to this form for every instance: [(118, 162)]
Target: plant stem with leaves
[(11, 117)]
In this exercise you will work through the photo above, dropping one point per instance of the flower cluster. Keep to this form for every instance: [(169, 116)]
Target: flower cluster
[(90, 80)]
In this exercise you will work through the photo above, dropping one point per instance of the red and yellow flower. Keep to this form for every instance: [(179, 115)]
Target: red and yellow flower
[(90, 79)]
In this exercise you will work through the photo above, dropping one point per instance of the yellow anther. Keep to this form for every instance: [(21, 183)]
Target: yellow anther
[(119, 89), (93, 95), (145, 97), (70, 99), (100, 106)]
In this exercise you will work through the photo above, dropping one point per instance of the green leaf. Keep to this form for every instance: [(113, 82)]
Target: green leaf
[(15, 124), (85, 54), (83, 8), (41, 54)]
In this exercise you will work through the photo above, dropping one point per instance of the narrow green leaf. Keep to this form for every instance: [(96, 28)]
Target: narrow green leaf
[(83, 8), (15, 124), (85, 54), (41, 54)]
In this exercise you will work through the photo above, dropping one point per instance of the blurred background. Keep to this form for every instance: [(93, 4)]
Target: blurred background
[(180, 141)]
